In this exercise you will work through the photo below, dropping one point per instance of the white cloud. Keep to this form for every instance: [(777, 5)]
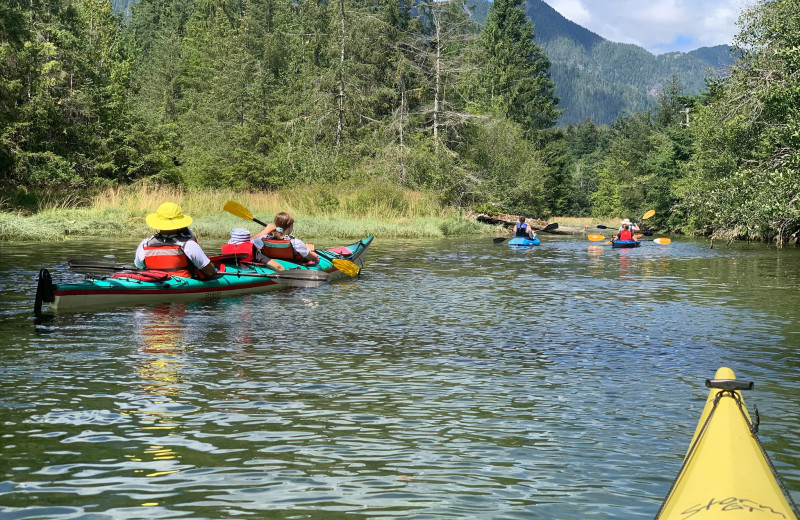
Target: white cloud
[(572, 10), (657, 25)]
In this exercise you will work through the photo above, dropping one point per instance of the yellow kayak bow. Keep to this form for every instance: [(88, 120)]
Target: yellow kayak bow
[(726, 473)]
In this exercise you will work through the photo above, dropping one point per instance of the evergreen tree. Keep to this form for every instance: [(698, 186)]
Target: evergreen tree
[(515, 81)]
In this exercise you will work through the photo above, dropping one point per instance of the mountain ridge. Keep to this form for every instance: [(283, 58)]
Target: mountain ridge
[(599, 79)]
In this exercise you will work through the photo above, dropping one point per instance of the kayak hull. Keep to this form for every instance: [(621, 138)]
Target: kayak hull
[(240, 279), (523, 242), (625, 244), (726, 474)]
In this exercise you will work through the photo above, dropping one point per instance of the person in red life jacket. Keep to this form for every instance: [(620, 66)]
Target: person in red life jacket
[(626, 230), (281, 244), (173, 249), (522, 229), (239, 242)]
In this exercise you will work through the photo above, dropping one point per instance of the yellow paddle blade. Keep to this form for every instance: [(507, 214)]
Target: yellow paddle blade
[(345, 266), (649, 214), (234, 208), (595, 238), (662, 241)]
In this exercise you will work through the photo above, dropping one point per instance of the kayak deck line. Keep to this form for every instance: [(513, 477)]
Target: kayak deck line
[(727, 473)]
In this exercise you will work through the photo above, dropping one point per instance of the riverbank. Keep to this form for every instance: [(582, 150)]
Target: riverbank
[(330, 212)]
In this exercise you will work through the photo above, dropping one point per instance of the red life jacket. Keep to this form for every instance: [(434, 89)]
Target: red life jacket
[(625, 235), (281, 250), (167, 255), (247, 248)]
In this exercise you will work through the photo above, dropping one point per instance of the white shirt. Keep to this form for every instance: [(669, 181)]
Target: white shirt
[(299, 246)]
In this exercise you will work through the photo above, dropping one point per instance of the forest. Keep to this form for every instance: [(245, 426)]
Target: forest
[(268, 94)]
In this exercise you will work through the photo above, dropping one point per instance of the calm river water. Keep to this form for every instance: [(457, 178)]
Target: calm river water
[(455, 379)]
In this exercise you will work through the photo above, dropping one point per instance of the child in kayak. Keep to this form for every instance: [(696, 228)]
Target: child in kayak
[(255, 252), (281, 244)]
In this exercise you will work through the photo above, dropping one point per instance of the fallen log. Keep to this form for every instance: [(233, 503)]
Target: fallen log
[(508, 221)]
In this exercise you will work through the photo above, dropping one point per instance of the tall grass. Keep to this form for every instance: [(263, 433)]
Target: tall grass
[(347, 210)]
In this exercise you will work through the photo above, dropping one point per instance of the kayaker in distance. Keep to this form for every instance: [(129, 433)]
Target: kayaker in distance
[(173, 249), (625, 232), (239, 242), (279, 242), (522, 229)]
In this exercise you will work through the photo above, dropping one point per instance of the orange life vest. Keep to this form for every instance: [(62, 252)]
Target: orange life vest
[(166, 254), (282, 250), (625, 235)]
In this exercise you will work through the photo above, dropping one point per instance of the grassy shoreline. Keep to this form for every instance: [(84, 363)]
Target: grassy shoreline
[(333, 212)]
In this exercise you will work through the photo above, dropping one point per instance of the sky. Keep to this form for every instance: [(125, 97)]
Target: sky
[(657, 25)]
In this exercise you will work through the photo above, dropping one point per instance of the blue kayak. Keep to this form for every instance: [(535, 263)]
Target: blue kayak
[(625, 243), (522, 241)]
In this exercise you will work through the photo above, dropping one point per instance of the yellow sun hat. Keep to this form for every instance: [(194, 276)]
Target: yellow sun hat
[(168, 217)]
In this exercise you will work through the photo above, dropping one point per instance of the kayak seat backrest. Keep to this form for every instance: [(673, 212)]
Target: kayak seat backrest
[(243, 251)]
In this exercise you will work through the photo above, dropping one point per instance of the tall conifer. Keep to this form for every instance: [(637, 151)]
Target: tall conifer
[(516, 80)]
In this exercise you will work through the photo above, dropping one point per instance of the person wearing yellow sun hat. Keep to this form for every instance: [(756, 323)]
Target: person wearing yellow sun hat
[(173, 249)]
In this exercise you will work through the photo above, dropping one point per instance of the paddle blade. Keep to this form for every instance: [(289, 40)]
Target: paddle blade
[(662, 241), (346, 266), (649, 214), (234, 208), (596, 238), (95, 266), (498, 240)]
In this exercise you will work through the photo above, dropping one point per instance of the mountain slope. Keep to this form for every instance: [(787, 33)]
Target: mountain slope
[(599, 79)]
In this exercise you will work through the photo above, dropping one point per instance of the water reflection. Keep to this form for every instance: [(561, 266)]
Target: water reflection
[(160, 330)]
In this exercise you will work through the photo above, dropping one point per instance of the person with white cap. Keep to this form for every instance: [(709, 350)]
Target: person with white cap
[(173, 249), (626, 231), (238, 244), (633, 225)]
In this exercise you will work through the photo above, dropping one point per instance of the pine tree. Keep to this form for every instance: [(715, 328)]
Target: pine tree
[(516, 81)]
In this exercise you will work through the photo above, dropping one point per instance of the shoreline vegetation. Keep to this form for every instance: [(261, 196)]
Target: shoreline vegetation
[(331, 211)]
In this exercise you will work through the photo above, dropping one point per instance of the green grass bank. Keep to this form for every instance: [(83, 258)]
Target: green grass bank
[(343, 211)]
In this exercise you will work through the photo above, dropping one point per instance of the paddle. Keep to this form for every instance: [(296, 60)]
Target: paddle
[(234, 208), (648, 214), (661, 241), (289, 274), (645, 233), (346, 266), (349, 268), (92, 265), (548, 227)]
